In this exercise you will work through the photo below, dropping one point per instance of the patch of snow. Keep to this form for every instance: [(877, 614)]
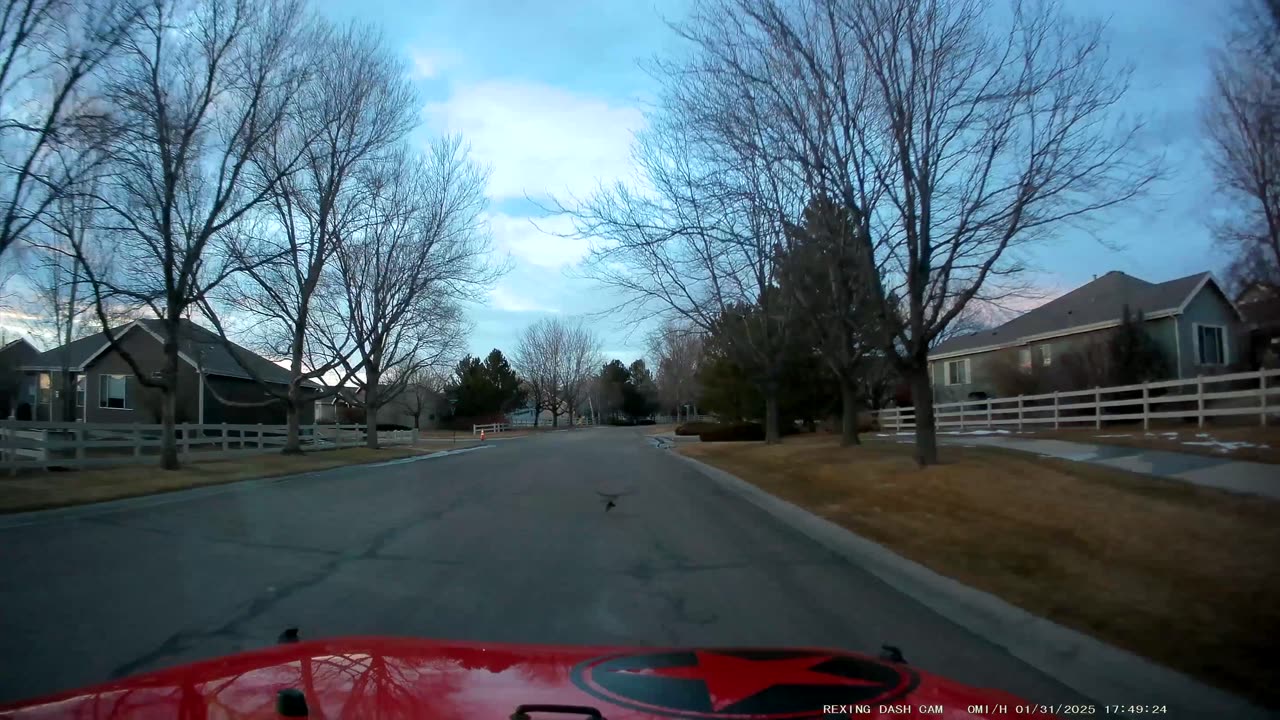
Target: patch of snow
[(974, 432), (1124, 435), (1170, 434), (1224, 445)]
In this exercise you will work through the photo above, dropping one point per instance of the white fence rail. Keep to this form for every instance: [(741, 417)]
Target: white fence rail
[(44, 445), (665, 419), (1254, 393), (492, 428)]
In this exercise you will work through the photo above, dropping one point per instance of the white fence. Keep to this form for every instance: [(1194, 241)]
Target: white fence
[(665, 419), (492, 428), (1255, 393), (43, 445)]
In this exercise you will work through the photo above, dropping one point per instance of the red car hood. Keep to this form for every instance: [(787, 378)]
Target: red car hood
[(403, 678)]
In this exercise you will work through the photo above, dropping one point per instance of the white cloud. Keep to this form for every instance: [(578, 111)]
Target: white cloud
[(508, 300), (428, 63), (538, 241), (540, 140)]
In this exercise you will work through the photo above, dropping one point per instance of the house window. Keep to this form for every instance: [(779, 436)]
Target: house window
[(80, 391), (46, 389), (113, 391), (1211, 344), (958, 372), (1046, 355), (1024, 358)]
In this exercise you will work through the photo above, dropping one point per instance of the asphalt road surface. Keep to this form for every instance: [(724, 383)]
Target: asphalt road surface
[(509, 543)]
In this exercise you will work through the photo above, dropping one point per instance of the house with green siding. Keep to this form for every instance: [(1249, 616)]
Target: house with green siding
[(1058, 346)]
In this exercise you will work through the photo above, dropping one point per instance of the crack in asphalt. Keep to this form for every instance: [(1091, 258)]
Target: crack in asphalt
[(185, 639)]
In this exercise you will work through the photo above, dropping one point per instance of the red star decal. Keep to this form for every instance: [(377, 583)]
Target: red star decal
[(730, 679)]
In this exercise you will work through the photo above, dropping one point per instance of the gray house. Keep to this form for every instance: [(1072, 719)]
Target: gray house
[(1195, 326), (212, 377)]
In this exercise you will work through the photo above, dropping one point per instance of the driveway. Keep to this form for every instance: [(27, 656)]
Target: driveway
[(509, 543)]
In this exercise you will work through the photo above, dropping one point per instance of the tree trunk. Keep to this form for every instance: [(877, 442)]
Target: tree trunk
[(926, 432), (848, 412), (772, 436), (293, 431), (68, 396), (169, 425), (371, 408)]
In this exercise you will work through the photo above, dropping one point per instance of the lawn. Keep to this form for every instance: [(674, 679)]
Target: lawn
[(36, 491), (1178, 573), (1254, 442)]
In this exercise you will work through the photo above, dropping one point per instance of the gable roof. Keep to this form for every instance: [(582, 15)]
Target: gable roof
[(198, 346), (17, 344), (1092, 306)]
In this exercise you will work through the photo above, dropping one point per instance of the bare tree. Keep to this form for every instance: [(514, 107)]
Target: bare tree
[(676, 350), (698, 243), (202, 89), (955, 136), (580, 357), (49, 50), (1242, 127), (539, 357), (356, 107), (62, 302), (422, 392), (420, 249)]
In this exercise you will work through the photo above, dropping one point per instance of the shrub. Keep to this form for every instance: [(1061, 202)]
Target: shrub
[(696, 428), (734, 433)]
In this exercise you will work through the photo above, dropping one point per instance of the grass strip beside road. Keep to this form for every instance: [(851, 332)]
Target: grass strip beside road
[(1184, 575), (38, 491)]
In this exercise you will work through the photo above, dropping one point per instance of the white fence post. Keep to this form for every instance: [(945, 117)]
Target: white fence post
[(225, 446), (186, 440), (1146, 406), (259, 436), (1097, 407), (961, 414), (1019, 413), (1200, 401), (1055, 409), (989, 425), (80, 435)]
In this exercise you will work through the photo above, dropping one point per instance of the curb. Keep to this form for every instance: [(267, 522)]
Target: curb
[(75, 512), (1096, 670)]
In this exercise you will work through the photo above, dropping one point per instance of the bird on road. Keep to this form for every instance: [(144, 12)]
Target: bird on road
[(611, 499)]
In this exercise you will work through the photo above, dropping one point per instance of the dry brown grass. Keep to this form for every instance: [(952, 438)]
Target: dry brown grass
[(1185, 575), (1158, 438), (57, 489)]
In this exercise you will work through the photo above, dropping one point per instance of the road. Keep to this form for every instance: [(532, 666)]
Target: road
[(508, 543)]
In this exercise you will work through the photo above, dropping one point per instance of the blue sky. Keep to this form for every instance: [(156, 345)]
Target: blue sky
[(549, 93)]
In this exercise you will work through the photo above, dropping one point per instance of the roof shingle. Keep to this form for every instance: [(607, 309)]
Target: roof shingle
[(203, 346), (1100, 301)]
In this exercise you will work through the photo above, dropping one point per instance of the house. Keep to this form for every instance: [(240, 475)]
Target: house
[(212, 379), (1259, 303), (1196, 328), (411, 407), (13, 355)]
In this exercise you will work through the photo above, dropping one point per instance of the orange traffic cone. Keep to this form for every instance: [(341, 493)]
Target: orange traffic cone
[(481, 436)]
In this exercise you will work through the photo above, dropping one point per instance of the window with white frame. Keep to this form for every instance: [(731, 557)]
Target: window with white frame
[(958, 372), (113, 391), (1024, 358), (1046, 355), (1211, 344)]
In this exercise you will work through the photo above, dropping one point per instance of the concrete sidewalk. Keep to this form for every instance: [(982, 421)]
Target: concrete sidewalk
[(1233, 475)]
